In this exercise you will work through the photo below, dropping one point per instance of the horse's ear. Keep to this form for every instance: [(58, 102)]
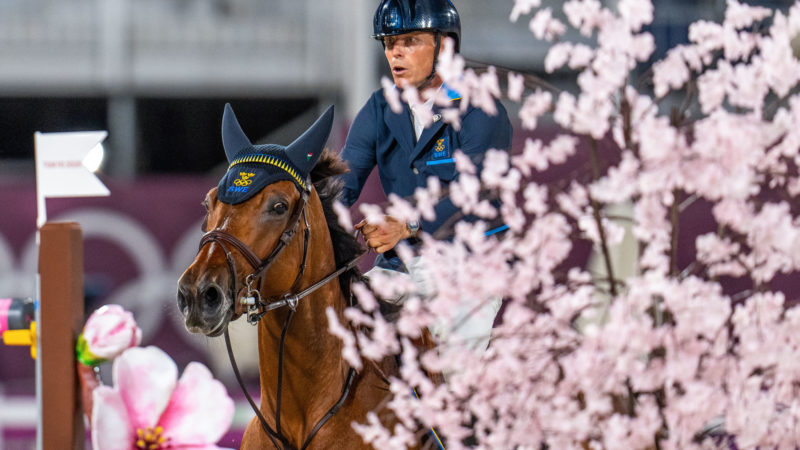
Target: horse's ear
[(233, 138), (305, 151)]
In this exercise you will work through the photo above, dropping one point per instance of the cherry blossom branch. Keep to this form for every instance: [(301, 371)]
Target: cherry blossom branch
[(674, 220), (595, 163)]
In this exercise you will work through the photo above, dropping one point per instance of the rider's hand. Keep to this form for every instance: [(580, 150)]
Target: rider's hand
[(384, 236)]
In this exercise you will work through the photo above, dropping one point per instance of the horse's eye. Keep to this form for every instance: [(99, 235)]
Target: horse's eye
[(280, 208)]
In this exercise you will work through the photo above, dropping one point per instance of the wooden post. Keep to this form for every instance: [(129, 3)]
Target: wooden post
[(60, 322)]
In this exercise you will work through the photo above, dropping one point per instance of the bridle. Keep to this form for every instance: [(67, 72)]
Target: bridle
[(257, 307)]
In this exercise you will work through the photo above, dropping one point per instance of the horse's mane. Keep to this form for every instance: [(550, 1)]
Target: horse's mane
[(346, 247)]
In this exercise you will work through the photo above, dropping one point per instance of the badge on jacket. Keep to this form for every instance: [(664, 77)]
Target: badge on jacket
[(441, 149)]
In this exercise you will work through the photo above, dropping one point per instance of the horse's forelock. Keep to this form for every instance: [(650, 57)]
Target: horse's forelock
[(329, 164)]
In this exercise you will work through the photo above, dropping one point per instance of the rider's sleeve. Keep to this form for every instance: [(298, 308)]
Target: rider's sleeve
[(359, 152), (479, 132)]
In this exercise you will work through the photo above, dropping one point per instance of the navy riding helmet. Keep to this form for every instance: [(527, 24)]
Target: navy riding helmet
[(404, 16)]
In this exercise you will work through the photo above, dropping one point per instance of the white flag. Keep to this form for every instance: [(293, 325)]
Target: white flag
[(60, 168)]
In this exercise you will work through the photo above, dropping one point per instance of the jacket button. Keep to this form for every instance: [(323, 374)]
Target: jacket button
[(416, 172)]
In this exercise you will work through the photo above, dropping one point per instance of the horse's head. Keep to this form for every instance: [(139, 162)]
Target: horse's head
[(256, 206)]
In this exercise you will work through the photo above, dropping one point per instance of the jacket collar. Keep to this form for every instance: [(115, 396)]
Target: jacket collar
[(403, 130), (431, 131)]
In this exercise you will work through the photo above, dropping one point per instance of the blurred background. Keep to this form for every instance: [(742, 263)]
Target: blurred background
[(156, 74)]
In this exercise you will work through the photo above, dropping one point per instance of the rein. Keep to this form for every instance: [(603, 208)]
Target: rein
[(257, 308)]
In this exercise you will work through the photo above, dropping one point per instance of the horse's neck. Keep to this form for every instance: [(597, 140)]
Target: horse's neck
[(306, 333), (313, 367)]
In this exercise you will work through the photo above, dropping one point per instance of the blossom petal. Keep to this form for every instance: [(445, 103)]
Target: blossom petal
[(110, 330), (111, 427), (145, 378), (200, 411)]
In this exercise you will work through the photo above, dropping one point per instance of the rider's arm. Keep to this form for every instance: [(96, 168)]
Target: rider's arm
[(359, 152)]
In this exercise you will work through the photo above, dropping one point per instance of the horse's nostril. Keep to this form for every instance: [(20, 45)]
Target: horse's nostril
[(213, 297), (182, 303)]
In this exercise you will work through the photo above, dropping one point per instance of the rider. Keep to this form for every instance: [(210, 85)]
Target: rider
[(406, 152)]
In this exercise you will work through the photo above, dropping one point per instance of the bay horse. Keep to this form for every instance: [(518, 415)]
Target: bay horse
[(271, 235)]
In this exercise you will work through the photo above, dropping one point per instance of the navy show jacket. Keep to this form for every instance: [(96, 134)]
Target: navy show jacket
[(378, 136)]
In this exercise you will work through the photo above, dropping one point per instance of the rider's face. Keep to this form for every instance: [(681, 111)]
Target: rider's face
[(410, 57)]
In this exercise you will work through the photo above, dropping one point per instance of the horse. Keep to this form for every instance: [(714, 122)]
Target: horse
[(276, 253)]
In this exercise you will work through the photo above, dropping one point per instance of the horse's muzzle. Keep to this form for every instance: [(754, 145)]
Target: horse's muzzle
[(204, 306)]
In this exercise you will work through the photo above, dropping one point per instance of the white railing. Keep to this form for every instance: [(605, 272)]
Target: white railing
[(91, 44)]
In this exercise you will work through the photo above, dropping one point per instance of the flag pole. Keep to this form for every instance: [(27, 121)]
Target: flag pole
[(41, 207)]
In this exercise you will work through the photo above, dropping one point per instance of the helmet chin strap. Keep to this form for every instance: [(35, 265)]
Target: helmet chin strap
[(427, 82)]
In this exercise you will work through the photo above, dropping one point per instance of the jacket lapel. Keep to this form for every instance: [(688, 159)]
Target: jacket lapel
[(400, 126), (427, 135)]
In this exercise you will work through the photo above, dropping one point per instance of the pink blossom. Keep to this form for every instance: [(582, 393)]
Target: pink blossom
[(376, 435), (738, 15), (465, 192), (588, 225), (589, 114), (516, 86), (108, 332), (670, 73), (495, 165), (557, 56), (401, 209), (738, 45), (711, 248), (580, 56), (712, 87), (427, 198), (450, 65), (463, 163), (734, 213), (545, 27), (535, 105), (724, 158), (652, 226), (708, 36), (487, 90), (636, 13), (574, 200), (390, 92), (779, 65), (452, 116), (343, 215), (382, 340), (620, 183), (372, 213), (585, 15), (748, 87), (148, 407), (532, 157), (535, 199), (349, 348), (561, 148), (523, 7)]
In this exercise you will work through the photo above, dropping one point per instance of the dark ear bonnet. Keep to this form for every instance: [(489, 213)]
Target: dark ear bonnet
[(253, 167)]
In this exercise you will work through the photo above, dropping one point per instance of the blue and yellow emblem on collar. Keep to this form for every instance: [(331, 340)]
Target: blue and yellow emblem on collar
[(451, 94)]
